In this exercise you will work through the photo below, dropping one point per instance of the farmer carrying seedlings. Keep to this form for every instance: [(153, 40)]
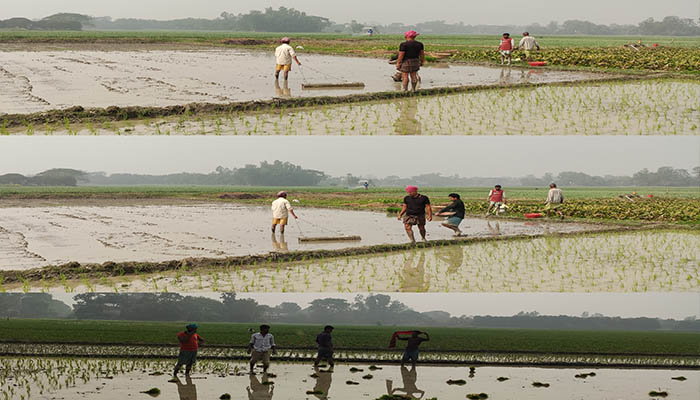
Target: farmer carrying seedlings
[(496, 199), (261, 345), (284, 53), (506, 47), (454, 213), (413, 212), (325, 347), (411, 58), (281, 208), (412, 343), (555, 198), (189, 343), (528, 44)]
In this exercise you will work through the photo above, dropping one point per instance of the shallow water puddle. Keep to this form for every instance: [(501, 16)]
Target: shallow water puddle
[(293, 381), (45, 80), (40, 236)]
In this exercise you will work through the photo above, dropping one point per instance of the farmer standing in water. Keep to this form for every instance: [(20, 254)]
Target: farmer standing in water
[(411, 58), (413, 212), (284, 54), (280, 212)]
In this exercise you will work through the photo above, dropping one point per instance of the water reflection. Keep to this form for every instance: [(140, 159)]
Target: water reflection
[(260, 390), (495, 229), (409, 389), (279, 245), (453, 256), (504, 78), (186, 391), (283, 91), (414, 278), (407, 123), (323, 383)]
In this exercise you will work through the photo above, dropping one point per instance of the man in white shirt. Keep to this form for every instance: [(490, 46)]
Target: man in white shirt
[(527, 44), (555, 198), (280, 211), (284, 54), (260, 346)]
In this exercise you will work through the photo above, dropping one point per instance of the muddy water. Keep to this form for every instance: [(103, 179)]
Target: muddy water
[(604, 262), (292, 381), (35, 81), (661, 107), (40, 236)]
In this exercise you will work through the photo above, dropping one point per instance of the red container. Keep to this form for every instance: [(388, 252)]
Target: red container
[(537, 63), (533, 215)]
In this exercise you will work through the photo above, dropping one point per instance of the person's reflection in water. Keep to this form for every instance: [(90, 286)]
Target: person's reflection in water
[(280, 245), (525, 76), (453, 256), (323, 383), (407, 123), (258, 390), (410, 389), (283, 91), (187, 391), (505, 76), (494, 230), (414, 274)]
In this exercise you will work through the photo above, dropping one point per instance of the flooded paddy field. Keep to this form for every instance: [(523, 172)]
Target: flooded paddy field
[(649, 107), (642, 261), (70, 378), (36, 81), (38, 236)]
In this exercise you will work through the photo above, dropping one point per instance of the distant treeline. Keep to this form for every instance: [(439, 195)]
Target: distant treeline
[(291, 20), (377, 309), (281, 173)]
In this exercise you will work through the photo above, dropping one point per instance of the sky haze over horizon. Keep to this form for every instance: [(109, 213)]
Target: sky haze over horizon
[(374, 157), (515, 12)]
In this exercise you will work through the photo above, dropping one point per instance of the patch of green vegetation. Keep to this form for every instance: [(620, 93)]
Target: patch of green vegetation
[(667, 204), (358, 337)]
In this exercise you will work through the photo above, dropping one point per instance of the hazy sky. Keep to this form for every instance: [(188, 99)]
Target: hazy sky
[(384, 11), (367, 156), (654, 305)]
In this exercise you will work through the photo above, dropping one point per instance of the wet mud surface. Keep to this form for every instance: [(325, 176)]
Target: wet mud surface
[(288, 381), (38, 236), (35, 81)]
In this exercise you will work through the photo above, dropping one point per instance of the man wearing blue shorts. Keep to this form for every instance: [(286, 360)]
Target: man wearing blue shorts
[(412, 343), (454, 213)]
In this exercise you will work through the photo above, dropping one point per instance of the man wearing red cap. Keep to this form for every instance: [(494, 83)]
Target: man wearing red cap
[(413, 212), (411, 57), (284, 54)]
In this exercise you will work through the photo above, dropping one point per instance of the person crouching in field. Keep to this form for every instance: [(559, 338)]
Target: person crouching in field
[(411, 58), (496, 199), (284, 54), (413, 212), (454, 213), (281, 208), (189, 343), (555, 198), (506, 47), (261, 345)]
